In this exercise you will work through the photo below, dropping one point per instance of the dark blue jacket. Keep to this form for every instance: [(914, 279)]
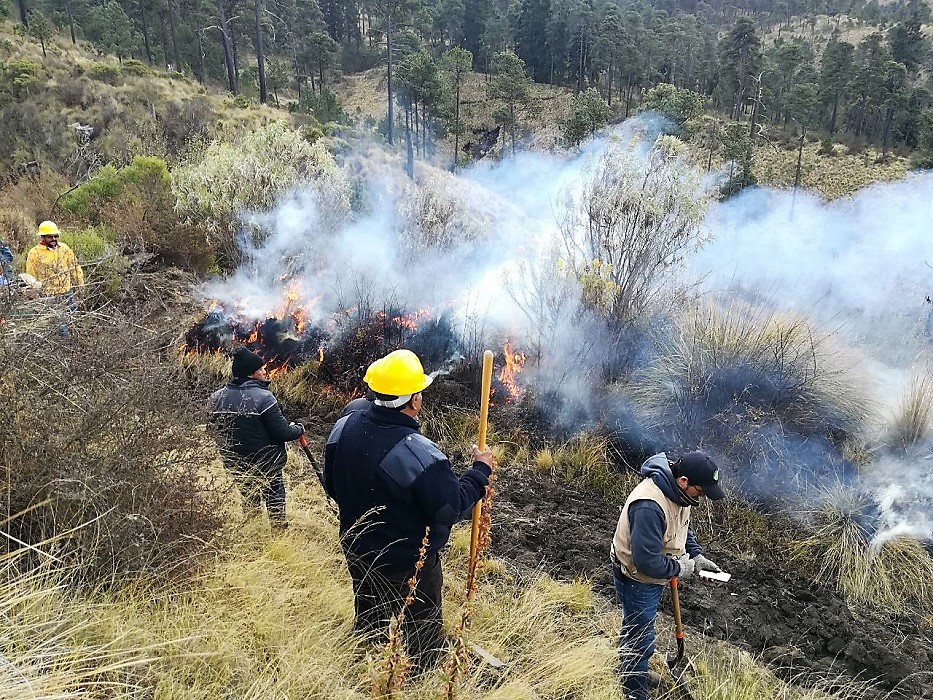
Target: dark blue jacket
[(646, 523), (390, 482), (251, 423)]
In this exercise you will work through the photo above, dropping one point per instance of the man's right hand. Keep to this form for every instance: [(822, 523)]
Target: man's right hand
[(687, 566), (484, 456)]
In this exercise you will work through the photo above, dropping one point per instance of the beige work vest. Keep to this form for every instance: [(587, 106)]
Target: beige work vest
[(676, 518)]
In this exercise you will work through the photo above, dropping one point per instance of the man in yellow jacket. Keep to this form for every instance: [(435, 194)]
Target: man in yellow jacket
[(54, 264)]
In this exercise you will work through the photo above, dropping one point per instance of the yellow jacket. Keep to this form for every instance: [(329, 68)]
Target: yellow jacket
[(57, 269)]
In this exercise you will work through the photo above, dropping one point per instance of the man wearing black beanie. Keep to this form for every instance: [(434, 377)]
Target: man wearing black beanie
[(253, 432)]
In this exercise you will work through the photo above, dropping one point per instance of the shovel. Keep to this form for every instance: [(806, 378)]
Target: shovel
[(677, 662), (306, 446)]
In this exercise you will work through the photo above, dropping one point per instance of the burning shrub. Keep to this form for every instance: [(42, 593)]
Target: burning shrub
[(101, 449)]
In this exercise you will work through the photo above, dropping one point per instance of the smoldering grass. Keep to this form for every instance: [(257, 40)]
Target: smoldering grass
[(737, 357), (894, 575)]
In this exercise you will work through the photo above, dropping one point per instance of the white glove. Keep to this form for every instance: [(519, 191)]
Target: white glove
[(704, 564), (687, 566)]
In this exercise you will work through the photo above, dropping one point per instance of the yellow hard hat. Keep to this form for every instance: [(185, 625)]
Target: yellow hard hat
[(48, 228), (397, 374)]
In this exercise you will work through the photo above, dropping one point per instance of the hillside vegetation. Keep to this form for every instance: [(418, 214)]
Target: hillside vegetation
[(130, 567)]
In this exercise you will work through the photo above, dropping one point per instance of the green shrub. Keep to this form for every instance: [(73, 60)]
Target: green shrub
[(105, 73), (103, 265), (242, 101), (20, 74), (131, 66), (251, 175), (325, 107)]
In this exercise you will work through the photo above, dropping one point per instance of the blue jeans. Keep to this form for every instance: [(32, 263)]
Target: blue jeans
[(636, 643)]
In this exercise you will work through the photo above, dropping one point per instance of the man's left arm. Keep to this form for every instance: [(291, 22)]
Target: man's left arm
[(278, 427), (446, 498)]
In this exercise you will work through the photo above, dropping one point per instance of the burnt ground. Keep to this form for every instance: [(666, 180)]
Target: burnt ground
[(802, 629)]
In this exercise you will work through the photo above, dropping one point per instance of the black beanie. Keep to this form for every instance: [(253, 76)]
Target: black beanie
[(246, 362)]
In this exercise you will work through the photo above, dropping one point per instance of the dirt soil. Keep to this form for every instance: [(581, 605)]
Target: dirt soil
[(801, 629)]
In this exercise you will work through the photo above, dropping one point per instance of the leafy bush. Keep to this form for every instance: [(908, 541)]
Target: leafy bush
[(138, 204), (133, 66), (589, 112), (325, 106), (102, 263), (251, 175), (20, 74), (105, 73), (635, 220), (103, 463), (677, 104)]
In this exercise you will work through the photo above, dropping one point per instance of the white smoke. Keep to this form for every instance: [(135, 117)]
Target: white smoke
[(862, 264)]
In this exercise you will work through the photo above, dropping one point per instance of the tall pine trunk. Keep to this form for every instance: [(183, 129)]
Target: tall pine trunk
[(71, 24), (391, 111), (260, 52), (227, 45), (174, 31)]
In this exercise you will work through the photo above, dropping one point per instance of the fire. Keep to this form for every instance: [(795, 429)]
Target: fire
[(514, 363)]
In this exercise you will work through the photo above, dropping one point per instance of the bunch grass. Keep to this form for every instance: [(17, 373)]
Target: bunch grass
[(913, 417), (893, 574)]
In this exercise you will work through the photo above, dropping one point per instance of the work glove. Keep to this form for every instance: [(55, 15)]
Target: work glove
[(299, 425), (704, 564), (687, 566)]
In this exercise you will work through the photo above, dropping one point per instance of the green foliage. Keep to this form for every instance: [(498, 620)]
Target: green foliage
[(105, 73), (677, 104), (111, 29), (324, 106), (924, 157), (589, 112), (20, 74), (131, 66), (137, 203), (103, 264), (251, 175), (510, 85), (39, 28)]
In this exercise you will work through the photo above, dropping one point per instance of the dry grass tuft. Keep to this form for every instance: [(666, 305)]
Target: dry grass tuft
[(893, 574), (739, 358), (912, 421)]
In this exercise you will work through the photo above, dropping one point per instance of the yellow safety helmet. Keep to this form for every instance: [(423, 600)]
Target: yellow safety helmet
[(397, 374), (48, 228)]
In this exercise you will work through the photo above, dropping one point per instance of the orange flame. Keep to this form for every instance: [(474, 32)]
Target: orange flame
[(514, 363)]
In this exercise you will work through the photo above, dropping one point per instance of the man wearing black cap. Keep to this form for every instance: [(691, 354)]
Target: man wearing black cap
[(654, 542), (254, 431)]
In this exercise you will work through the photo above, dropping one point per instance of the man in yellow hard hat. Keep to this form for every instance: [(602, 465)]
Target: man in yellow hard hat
[(391, 483), (55, 265)]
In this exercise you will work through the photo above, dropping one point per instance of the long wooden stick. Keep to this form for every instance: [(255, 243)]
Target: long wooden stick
[(481, 443)]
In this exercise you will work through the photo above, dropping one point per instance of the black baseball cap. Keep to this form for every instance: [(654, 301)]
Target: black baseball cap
[(701, 470)]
